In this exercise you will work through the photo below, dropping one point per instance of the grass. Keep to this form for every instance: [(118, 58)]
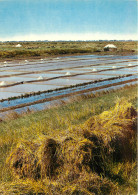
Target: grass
[(47, 49), (62, 126)]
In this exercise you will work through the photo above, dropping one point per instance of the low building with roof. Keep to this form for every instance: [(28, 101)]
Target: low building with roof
[(110, 47), (18, 45)]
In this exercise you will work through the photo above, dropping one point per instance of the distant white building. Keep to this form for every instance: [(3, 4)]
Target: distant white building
[(110, 47), (18, 45)]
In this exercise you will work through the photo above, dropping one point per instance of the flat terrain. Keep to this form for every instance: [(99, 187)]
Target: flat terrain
[(37, 50), (36, 83), (61, 122), (68, 122)]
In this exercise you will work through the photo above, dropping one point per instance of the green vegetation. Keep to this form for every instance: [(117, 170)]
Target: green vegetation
[(46, 49), (84, 146)]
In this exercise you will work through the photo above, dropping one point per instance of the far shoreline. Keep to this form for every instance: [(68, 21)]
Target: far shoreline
[(47, 50), (66, 55)]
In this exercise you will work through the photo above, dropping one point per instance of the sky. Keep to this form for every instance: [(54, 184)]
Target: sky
[(32, 20)]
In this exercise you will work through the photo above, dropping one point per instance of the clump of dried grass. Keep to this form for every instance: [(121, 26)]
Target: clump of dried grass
[(76, 152), (112, 133), (96, 184), (23, 160), (76, 164), (86, 184), (117, 129), (89, 183), (48, 155), (34, 159), (124, 109), (47, 158), (80, 155)]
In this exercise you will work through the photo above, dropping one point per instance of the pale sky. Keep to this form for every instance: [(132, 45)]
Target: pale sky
[(68, 20)]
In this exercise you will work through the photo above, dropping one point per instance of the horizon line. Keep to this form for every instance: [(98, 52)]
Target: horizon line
[(71, 37), (114, 40)]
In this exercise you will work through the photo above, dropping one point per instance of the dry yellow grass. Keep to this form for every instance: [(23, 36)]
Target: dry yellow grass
[(101, 148)]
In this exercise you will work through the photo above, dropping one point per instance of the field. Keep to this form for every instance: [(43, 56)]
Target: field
[(39, 50), (68, 122)]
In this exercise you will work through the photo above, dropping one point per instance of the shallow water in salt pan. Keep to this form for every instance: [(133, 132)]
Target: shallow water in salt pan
[(72, 65)]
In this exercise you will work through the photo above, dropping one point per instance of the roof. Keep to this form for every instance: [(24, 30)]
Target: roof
[(110, 46), (19, 45)]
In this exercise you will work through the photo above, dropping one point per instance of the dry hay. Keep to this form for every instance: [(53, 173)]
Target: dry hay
[(79, 156), (23, 160), (90, 183), (117, 129), (124, 109), (48, 156), (34, 159), (96, 184), (86, 184), (76, 164), (76, 153)]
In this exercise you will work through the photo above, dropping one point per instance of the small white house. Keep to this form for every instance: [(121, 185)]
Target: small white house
[(18, 45), (110, 47)]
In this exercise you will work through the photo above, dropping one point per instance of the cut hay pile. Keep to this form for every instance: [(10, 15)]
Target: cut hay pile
[(117, 128), (76, 156), (90, 184), (81, 165), (24, 161), (34, 160), (48, 155)]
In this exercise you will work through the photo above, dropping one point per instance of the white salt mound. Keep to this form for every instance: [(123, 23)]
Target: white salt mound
[(19, 45), (113, 66), (40, 78), (68, 73), (41, 60), (2, 83), (94, 69)]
